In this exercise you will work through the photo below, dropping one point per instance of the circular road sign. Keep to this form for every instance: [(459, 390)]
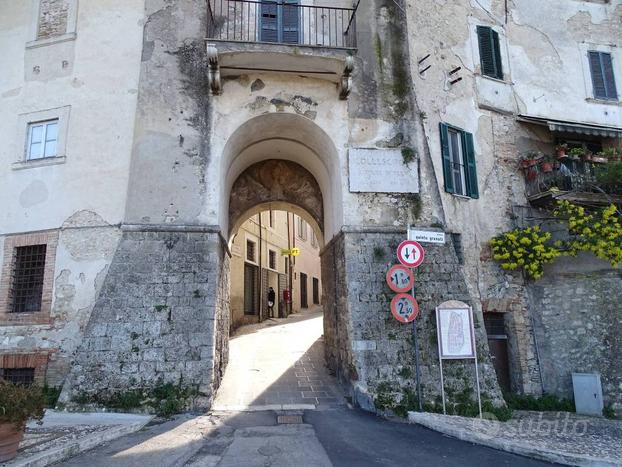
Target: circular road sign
[(410, 253), (404, 308), (400, 278)]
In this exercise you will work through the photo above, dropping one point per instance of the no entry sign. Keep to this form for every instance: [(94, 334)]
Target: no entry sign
[(404, 308), (400, 278), (410, 253)]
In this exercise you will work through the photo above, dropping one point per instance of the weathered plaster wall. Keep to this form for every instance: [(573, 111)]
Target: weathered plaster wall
[(543, 48), (84, 194)]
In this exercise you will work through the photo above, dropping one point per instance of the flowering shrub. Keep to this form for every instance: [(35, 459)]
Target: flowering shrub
[(598, 232), (525, 249)]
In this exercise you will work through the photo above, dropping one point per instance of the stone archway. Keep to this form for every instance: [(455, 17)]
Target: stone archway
[(276, 184)]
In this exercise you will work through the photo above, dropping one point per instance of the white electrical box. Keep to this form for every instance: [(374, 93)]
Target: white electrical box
[(588, 393)]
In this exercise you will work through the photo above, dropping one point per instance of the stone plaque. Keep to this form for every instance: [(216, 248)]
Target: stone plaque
[(382, 171)]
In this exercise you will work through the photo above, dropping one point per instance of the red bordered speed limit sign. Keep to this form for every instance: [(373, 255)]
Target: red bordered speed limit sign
[(404, 308), (400, 278), (410, 253)]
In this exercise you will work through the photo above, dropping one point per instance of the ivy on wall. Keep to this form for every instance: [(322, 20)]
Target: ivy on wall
[(529, 249)]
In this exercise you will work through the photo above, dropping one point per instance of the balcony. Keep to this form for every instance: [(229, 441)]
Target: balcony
[(312, 40), (281, 23), (581, 182)]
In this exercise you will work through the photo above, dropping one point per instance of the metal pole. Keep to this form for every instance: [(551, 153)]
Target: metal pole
[(440, 359), (417, 364), (416, 341), (479, 398)]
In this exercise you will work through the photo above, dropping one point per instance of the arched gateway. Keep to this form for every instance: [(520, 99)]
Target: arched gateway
[(163, 311)]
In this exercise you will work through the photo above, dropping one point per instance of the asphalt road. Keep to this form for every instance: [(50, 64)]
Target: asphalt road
[(332, 437)]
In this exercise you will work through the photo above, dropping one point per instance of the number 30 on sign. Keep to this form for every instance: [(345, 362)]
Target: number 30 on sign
[(404, 308)]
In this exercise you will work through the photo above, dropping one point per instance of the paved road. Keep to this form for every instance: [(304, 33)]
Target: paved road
[(293, 416)]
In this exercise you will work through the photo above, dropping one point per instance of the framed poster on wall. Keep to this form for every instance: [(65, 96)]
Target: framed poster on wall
[(455, 332)]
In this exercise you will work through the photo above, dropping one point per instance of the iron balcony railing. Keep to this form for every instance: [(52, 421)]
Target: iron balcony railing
[(281, 22)]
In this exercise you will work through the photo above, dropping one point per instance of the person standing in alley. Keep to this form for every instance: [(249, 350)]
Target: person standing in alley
[(271, 299)]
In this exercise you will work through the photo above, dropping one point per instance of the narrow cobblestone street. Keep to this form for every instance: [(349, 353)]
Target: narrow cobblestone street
[(278, 364)]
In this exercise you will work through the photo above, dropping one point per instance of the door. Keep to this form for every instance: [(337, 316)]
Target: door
[(304, 303), (499, 355), (498, 345), (280, 22), (251, 289)]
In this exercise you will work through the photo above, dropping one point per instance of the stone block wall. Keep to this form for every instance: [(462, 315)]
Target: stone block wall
[(379, 351), (578, 328), (53, 16), (161, 317), (337, 326)]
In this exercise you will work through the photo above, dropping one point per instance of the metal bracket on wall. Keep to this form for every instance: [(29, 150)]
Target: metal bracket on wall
[(345, 81), (213, 70)]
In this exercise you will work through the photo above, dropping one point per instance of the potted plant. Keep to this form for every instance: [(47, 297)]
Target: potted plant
[(530, 159), (577, 153), (18, 404), (560, 151), (546, 164)]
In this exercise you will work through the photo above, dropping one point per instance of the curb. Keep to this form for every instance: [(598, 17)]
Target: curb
[(44, 458), (434, 422)]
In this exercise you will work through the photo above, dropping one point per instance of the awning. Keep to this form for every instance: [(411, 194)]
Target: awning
[(561, 126)]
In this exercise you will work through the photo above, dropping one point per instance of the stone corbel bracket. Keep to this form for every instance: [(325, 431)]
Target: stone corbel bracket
[(213, 70), (345, 81)]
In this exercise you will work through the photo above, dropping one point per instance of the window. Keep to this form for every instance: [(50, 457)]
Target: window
[(489, 52), (302, 228), (458, 161), (304, 303), (25, 376), (27, 283), (603, 79), (271, 218), (280, 22), (316, 291), (42, 139), (250, 251), (313, 239), (286, 265), (27, 279), (272, 259)]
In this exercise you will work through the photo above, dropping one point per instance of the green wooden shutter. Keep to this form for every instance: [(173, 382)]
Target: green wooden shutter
[(489, 52), (471, 170), (449, 181)]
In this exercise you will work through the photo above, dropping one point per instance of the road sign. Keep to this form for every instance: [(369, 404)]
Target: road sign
[(400, 278), (410, 253), (404, 308), (290, 252), (427, 236)]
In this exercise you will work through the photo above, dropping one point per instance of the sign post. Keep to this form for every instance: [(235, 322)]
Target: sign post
[(416, 342), (456, 339), (404, 306)]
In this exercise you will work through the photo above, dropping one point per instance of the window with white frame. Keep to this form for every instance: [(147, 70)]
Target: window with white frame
[(42, 140)]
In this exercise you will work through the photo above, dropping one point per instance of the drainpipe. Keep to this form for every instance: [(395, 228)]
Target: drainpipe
[(288, 307), (260, 271)]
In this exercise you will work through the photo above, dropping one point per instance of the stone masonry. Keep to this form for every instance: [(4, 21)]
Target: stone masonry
[(579, 330), (374, 349), (161, 317), (52, 18)]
